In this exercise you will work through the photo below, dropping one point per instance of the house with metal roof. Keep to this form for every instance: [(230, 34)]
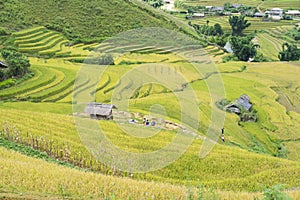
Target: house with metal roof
[(243, 103), (258, 14), (100, 111), (198, 15), (217, 9), (237, 5), (275, 13), (294, 14)]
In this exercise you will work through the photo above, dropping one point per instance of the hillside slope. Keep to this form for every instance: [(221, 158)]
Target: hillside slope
[(32, 178), (78, 19)]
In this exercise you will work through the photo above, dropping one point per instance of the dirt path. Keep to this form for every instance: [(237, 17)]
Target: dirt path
[(124, 117)]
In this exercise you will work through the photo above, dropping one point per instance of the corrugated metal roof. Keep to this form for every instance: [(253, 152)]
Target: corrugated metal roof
[(244, 102), (233, 108), (217, 8), (99, 109), (237, 5)]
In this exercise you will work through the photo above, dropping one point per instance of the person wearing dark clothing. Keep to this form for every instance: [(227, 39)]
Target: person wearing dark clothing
[(147, 123)]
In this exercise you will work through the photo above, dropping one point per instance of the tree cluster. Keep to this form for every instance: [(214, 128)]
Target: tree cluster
[(209, 30), (155, 3), (295, 33), (243, 47), (18, 64), (290, 52)]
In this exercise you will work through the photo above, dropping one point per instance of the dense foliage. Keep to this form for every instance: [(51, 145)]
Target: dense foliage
[(275, 193), (209, 30), (294, 33), (243, 47), (18, 64), (238, 24), (290, 52), (154, 3)]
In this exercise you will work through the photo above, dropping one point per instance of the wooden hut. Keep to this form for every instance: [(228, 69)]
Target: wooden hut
[(100, 111), (242, 103)]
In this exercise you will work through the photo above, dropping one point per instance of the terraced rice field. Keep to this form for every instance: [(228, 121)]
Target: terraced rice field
[(59, 132), (215, 53), (39, 40), (270, 46), (44, 42), (57, 186), (256, 23), (42, 119), (49, 84), (280, 33)]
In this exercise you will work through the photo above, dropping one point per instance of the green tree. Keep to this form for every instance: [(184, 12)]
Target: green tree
[(289, 52), (215, 30), (18, 64), (207, 22), (227, 6), (219, 40), (155, 3), (238, 24), (218, 29), (243, 47)]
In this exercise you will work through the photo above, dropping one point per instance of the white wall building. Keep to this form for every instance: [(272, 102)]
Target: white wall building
[(275, 13), (294, 14)]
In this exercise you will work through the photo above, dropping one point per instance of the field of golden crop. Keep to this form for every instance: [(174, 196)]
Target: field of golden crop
[(38, 113), (34, 178)]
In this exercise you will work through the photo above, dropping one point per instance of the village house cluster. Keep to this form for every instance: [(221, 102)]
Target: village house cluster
[(273, 14), (234, 9)]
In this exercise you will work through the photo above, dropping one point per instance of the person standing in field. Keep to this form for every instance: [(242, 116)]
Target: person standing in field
[(223, 137)]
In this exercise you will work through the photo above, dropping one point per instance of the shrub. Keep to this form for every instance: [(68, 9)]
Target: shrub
[(17, 63), (290, 52), (7, 83), (275, 193)]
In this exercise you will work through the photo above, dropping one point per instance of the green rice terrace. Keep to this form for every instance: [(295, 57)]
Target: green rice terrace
[(43, 155)]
